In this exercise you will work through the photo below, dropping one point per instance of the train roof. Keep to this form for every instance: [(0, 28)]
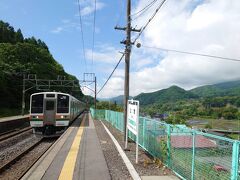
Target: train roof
[(51, 93), (56, 93)]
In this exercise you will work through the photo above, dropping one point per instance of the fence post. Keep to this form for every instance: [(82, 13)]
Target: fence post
[(105, 118), (168, 145), (193, 154), (235, 159), (144, 128)]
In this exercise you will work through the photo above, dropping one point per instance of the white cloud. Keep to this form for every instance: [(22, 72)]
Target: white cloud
[(106, 54), (57, 30), (212, 27), (66, 25), (116, 83), (88, 7)]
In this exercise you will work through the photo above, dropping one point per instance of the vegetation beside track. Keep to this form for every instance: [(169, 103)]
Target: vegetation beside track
[(19, 56)]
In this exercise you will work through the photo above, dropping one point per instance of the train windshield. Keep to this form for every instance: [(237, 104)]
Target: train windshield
[(37, 103), (62, 103)]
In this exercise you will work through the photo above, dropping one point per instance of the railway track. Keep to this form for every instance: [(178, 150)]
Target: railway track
[(17, 166), (13, 133)]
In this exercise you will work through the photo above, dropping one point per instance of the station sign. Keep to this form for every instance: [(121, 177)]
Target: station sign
[(133, 116), (133, 121)]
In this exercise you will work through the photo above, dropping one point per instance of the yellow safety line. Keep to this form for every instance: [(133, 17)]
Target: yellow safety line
[(69, 164)]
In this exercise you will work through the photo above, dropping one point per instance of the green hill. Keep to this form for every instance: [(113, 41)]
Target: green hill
[(175, 93), (221, 89), (119, 99), (171, 94), (19, 56)]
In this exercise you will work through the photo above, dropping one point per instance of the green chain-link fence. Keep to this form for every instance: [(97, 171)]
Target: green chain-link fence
[(189, 153)]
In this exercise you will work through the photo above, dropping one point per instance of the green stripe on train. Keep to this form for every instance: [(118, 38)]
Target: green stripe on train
[(55, 120)]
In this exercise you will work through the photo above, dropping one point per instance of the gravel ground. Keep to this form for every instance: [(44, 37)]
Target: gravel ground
[(15, 139), (115, 164), (146, 166), (16, 170), (9, 149)]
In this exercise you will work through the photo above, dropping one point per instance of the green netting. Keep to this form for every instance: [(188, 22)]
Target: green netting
[(189, 153)]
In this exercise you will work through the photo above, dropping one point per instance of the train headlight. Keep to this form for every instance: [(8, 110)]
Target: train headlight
[(61, 117), (37, 117)]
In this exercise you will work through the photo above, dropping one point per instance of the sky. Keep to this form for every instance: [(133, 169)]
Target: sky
[(201, 26)]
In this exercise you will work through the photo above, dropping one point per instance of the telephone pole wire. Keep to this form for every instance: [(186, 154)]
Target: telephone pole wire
[(128, 46)]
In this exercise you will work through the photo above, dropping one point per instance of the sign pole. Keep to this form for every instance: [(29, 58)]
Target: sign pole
[(137, 132), (132, 122), (126, 128)]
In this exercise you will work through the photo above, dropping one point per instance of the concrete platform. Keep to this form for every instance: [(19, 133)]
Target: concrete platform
[(13, 122), (13, 118), (76, 155)]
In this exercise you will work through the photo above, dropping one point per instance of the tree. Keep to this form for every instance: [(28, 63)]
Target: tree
[(19, 36)]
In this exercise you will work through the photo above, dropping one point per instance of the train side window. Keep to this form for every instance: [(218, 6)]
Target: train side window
[(62, 103), (50, 105)]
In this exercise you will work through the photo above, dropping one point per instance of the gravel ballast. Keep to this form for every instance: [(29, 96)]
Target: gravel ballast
[(17, 169), (116, 166), (147, 165)]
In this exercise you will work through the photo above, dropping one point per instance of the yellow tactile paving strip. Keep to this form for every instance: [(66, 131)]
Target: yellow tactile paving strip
[(69, 164)]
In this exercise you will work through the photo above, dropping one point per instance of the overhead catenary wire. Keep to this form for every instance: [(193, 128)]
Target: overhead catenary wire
[(119, 16), (195, 54), (111, 74), (145, 26), (81, 27), (94, 28), (142, 11)]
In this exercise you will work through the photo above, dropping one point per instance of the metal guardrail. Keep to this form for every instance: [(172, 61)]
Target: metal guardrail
[(191, 154)]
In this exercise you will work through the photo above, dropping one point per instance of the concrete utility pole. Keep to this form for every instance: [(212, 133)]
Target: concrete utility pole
[(128, 45)]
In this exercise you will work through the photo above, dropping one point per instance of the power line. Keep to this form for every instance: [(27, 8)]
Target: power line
[(142, 11), (80, 21), (196, 54), (119, 16), (154, 14), (111, 73), (94, 26)]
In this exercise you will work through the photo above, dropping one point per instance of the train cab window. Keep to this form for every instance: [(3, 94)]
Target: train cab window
[(37, 103), (50, 105), (62, 103)]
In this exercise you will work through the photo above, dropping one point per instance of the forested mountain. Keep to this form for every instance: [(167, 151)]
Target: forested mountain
[(212, 101), (171, 94), (119, 99), (19, 56), (222, 89)]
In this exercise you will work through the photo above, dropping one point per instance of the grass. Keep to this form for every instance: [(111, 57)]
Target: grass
[(182, 163), (220, 123), (234, 136)]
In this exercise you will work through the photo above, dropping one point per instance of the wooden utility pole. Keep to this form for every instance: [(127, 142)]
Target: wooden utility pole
[(128, 45)]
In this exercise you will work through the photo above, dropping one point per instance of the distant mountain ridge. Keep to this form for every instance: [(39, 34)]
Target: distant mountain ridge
[(170, 94), (231, 88), (175, 93), (117, 99)]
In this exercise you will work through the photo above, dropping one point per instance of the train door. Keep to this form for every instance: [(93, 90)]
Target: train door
[(49, 111)]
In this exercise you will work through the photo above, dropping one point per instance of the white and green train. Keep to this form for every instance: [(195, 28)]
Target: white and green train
[(52, 112)]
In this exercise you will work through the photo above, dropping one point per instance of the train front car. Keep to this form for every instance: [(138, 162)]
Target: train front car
[(49, 112)]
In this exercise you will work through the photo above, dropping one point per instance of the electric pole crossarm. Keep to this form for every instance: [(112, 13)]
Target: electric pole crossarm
[(120, 28), (124, 29)]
